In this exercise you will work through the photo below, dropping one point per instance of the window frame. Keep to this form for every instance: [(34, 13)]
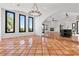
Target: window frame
[(24, 23), (29, 25), (77, 27), (6, 11)]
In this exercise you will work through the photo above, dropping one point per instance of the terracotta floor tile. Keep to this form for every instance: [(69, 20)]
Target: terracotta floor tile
[(39, 46)]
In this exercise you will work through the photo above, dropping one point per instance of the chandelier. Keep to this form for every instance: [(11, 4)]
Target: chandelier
[(34, 12)]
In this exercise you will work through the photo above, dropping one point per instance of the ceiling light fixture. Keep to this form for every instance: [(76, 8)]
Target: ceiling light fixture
[(34, 12)]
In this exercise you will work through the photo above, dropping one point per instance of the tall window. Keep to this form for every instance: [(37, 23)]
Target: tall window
[(22, 23), (9, 22), (30, 24)]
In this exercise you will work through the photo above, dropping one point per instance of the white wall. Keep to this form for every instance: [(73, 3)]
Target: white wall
[(37, 24), (39, 21), (63, 20), (7, 35)]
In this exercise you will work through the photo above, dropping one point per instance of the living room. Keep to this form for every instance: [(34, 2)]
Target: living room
[(39, 29)]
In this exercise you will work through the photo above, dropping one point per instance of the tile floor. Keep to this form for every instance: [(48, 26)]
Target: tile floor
[(38, 46)]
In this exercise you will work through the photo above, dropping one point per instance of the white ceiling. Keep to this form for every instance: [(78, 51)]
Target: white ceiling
[(55, 8), (73, 7)]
